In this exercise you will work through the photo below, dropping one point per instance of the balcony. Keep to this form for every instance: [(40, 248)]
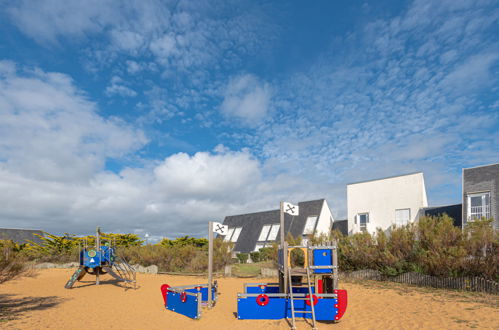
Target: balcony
[(478, 212)]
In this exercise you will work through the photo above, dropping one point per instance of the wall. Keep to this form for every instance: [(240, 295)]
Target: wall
[(380, 198), (324, 224), (481, 179)]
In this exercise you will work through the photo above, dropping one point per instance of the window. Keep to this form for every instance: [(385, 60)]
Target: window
[(310, 225), (229, 234), (237, 231), (478, 206), (273, 232), (264, 233), (269, 233), (363, 221), (402, 217)]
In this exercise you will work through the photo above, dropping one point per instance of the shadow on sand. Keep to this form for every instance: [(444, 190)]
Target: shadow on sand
[(12, 307), (82, 284)]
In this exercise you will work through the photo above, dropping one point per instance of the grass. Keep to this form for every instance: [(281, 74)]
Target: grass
[(250, 270)]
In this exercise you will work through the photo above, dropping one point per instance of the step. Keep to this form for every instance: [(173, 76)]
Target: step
[(307, 312)]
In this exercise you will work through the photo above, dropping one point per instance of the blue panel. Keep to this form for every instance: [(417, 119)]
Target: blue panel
[(91, 262), (280, 257), (204, 293), (274, 289), (248, 309), (323, 257), (266, 289), (279, 308), (107, 253), (324, 310), (188, 308)]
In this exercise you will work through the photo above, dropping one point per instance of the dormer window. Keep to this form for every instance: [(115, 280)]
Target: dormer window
[(233, 234), (268, 234), (310, 225)]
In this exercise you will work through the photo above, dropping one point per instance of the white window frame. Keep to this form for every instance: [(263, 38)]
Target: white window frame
[(363, 228), (273, 232), (264, 233), (397, 223), (484, 209)]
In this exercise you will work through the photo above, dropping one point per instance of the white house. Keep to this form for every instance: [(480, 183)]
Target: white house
[(384, 202), (253, 231)]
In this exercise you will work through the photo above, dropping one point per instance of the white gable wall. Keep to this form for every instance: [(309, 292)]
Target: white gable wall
[(324, 223), (380, 198)]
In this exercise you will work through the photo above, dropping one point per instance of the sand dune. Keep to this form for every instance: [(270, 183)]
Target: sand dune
[(41, 302)]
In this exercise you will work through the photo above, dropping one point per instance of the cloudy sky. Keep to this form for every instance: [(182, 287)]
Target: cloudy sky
[(157, 116)]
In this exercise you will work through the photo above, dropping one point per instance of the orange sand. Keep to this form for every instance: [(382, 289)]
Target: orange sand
[(41, 302)]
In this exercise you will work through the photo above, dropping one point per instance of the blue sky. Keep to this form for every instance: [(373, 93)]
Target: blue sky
[(157, 116)]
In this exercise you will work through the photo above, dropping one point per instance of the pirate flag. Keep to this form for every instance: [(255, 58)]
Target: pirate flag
[(290, 208), (220, 229)]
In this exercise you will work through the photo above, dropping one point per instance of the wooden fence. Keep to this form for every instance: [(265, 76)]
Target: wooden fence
[(475, 284)]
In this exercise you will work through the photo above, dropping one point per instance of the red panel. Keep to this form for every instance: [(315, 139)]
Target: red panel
[(320, 289), (164, 290), (342, 303)]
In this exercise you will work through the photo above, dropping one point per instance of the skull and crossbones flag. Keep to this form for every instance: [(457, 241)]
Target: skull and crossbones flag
[(220, 229), (290, 208)]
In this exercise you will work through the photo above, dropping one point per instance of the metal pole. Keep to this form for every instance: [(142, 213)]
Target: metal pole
[(97, 247), (283, 247), (335, 265), (210, 261)]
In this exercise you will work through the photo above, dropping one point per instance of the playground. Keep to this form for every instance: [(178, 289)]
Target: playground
[(42, 302)]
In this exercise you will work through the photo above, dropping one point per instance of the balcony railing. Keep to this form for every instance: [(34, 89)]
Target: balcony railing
[(478, 212)]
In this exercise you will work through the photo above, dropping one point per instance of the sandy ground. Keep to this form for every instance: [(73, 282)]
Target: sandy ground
[(41, 302)]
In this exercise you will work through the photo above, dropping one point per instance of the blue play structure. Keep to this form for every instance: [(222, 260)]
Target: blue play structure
[(102, 259), (309, 291), (188, 300)]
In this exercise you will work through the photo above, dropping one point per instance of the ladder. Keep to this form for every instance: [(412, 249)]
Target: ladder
[(125, 271), (292, 299)]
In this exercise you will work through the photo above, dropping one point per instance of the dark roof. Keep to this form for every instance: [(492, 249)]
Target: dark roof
[(253, 223), (20, 236), (479, 166), (454, 211), (341, 225)]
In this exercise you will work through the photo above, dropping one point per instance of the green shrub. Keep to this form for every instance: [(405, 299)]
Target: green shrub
[(184, 241), (432, 246), (269, 253), (12, 263), (243, 257), (255, 256)]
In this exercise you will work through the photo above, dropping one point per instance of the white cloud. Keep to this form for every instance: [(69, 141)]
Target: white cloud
[(189, 34), (49, 130), (48, 20), (133, 67), (117, 87), (53, 149), (247, 99), (471, 75), (208, 176), (406, 102), (164, 47)]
